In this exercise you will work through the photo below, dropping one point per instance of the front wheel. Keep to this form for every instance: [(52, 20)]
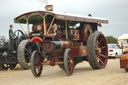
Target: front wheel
[(97, 50), (36, 66), (68, 62)]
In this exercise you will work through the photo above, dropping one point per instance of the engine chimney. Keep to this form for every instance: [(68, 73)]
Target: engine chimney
[(49, 7)]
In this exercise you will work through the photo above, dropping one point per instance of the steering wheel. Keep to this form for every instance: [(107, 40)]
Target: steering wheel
[(18, 34)]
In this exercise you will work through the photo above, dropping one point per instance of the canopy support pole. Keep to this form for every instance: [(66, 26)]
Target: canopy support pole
[(44, 26), (28, 28), (22, 28), (51, 25), (66, 28)]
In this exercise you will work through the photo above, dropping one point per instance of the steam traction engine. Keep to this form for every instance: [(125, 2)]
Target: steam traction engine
[(65, 40), (8, 51)]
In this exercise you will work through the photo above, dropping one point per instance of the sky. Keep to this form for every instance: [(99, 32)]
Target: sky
[(116, 11)]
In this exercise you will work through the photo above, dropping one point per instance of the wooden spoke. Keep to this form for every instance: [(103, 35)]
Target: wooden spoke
[(101, 61), (97, 50), (100, 41), (103, 47), (97, 45), (36, 64), (101, 55), (68, 63)]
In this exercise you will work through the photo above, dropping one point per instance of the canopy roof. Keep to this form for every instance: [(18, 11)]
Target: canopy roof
[(36, 16), (122, 37)]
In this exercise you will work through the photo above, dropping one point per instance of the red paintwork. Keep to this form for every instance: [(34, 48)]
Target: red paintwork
[(66, 44), (47, 48), (36, 40), (79, 51), (124, 61)]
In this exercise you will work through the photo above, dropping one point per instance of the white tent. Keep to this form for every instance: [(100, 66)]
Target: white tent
[(122, 37)]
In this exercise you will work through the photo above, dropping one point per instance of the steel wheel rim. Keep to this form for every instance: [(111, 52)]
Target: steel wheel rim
[(70, 64), (101, 50), (37, 64)]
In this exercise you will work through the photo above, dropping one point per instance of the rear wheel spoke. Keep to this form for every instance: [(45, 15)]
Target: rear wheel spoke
[(100, 41), (101, 55), (103, 47), (101, 61), (97, 46)]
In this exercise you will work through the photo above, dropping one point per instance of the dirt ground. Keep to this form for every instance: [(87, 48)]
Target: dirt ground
[(83, 75)]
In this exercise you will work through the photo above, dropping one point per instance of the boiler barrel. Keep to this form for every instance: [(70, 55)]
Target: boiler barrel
[(63, 44), (51, 46)]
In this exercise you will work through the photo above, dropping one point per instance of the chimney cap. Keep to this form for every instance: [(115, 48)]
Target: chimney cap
[(49, 7)]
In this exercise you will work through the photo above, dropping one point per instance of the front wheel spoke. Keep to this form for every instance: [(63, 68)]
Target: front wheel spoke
[(70, 66), (39, 60), (38, 68), (36, 63), (70, 63), (71, 69), (71, 60)]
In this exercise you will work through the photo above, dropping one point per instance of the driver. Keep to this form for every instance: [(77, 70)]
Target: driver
[(11, 36)]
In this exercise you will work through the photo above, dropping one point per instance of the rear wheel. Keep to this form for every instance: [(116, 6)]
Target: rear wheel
[(97, 50), (68, 62), (36, 66)]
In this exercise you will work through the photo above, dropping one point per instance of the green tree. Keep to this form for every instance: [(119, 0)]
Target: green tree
[(111, 39)]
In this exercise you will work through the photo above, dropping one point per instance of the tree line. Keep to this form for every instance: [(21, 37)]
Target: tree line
[(111, 39)]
